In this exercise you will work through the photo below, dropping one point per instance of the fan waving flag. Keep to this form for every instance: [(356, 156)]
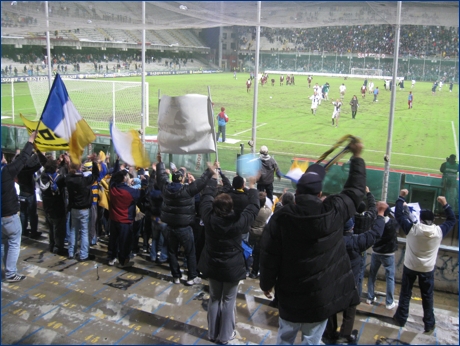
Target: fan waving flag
[(297, 169), (129, 147), (61, 117), (186, 125)]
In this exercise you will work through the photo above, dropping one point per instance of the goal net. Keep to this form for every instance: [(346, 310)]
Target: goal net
[(99, 102), (366, 72)]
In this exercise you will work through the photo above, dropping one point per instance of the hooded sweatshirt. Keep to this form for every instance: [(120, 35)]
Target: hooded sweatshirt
[(269, 167)]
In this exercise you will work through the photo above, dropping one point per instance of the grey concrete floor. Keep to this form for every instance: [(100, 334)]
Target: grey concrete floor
[(64, 301)]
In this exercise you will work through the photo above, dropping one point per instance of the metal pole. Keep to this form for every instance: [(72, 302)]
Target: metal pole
[(143, 77), (48, 45), (12, 99), (335, 68), (387, 157), (256, 84), (220, 48), (424, 58)]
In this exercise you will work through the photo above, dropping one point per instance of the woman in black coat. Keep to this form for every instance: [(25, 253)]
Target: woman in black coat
[(222, 260)]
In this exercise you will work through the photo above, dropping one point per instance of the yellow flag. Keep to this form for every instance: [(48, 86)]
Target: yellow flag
[(46, 139)]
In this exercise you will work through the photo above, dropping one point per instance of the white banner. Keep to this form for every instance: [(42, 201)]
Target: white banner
[(186, 125)]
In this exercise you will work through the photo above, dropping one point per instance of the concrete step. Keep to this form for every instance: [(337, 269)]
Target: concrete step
[(130, 301)]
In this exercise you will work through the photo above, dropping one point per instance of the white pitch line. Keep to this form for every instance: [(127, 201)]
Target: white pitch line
[(326, 145), (455, 138), (236, 134)]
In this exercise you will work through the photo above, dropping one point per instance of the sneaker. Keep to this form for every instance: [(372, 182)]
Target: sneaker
[(391, 306), (176, 281), (370, 302), (112, 262), (195, 281), (16, 278)]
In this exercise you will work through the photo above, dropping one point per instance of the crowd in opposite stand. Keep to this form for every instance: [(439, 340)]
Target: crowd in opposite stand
[(308, 249)]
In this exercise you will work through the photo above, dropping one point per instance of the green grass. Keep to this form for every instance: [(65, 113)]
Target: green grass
[(422, 137)]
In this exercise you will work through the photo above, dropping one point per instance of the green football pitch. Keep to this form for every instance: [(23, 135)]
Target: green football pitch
[(422, 136)]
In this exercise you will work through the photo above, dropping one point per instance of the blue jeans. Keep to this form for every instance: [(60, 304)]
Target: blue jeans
[(11, 243), (426, 284), (388, 262), (311, 332), (181, 236), (80, 222), (28, 209), (158, 242), (67, 227)]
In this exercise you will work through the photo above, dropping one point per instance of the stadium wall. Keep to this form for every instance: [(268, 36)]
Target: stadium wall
[(330, 74)]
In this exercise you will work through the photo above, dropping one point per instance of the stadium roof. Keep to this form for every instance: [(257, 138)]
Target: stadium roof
[(29, 16)]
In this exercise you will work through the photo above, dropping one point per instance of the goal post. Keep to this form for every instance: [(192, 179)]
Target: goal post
[(99, 102), (366, 72)]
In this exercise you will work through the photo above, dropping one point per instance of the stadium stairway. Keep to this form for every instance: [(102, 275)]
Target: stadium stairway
[(64, 301)]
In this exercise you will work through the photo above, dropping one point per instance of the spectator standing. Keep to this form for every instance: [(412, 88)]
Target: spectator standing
[(256, 231), (269, 167), (11, 225), (363, 222), (222, 120), (355, 245), (449, 170), (304, 257), (52, 186), (178, 212), (223, 261), (410, 99), (28, 197), (354, 106), (80, 201), (376, 93), (422, 244), (384, 254), (123, 200)]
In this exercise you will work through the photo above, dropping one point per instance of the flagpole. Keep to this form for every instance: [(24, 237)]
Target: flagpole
[(158, 143), (214, 122), (143, 112)]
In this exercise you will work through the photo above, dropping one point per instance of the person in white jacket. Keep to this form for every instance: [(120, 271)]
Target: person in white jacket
[(422, 244)]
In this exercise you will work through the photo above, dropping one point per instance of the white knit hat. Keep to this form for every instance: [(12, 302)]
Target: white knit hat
[(264, 150)]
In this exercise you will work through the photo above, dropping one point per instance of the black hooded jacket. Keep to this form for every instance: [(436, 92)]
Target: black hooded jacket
[(303, 254), (222, 258), (178, 208)]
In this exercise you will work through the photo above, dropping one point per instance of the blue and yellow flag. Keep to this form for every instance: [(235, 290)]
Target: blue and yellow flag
[(46, 139)]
